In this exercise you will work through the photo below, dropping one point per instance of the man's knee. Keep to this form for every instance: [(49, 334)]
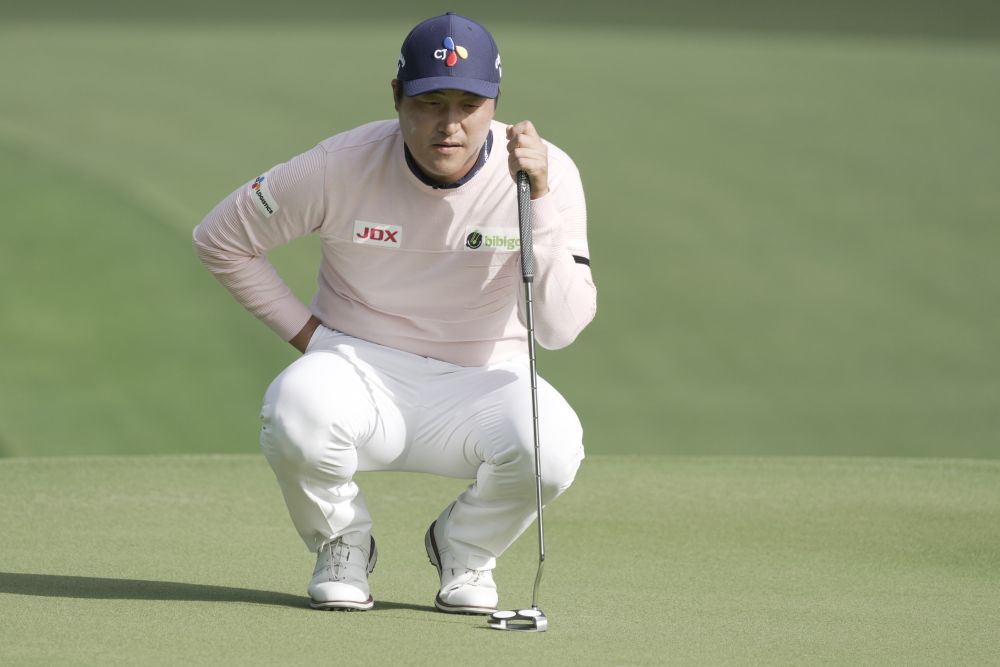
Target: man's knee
[(513, 461), (561, 460), (304, 427), (560, 450)]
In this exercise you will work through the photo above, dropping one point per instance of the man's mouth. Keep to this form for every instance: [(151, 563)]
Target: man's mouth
[(447, 147)]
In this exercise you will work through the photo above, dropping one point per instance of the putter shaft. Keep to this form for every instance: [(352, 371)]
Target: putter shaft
[(531, 620), (538, 461)]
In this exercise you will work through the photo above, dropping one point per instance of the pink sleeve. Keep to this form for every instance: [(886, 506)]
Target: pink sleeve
[(285, 203), (564, 292)]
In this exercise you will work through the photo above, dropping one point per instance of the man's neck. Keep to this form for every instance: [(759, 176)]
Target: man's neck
[(484, 155)]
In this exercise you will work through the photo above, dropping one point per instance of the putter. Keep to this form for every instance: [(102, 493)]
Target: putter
[(528, 620)]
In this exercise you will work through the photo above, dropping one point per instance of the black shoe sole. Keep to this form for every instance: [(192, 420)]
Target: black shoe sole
[(342, 606)]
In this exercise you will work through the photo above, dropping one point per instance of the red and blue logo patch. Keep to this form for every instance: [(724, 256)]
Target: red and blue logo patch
[(451, 52), (262, 197)]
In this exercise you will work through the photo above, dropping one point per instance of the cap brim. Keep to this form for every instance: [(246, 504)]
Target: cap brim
[(474, 86)]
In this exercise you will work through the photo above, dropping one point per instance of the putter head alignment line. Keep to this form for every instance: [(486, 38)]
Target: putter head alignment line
[(522, 620)]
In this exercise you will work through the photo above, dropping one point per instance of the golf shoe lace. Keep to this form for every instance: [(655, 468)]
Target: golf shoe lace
[(339, 559), (469, 577)]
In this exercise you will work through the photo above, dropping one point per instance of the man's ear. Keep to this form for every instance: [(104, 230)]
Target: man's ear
[(397, 93)]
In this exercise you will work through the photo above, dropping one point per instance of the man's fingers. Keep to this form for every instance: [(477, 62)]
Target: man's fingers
[(524, 137), (522, 132), (526, 151), (524, 127), (528, 159)]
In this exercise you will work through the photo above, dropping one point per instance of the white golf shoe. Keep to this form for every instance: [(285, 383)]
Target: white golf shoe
[(340, 580), (463, 591)]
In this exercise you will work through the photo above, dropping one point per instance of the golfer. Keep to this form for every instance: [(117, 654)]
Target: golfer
[(415, 346)]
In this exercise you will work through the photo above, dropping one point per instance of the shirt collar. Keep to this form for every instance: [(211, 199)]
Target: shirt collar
[(484, 155)]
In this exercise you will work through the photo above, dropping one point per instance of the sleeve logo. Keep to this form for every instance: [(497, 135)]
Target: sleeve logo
[(262, 198)]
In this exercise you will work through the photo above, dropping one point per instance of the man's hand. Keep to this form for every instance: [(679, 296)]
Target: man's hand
[(527, 152), (301, 340)]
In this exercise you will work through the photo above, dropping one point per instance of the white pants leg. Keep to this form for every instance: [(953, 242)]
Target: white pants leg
[(349, 405)]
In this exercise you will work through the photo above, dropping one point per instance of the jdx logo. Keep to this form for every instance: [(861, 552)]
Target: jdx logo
[(376, 234), (379, 234)]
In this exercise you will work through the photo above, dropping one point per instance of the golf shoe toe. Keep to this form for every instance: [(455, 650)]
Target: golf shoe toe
[(340, 580)]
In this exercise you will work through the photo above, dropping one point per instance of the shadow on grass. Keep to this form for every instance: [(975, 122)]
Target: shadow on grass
[(99, 588)]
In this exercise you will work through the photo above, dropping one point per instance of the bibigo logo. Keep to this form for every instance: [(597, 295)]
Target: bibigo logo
[(451, 52), (477, 238)]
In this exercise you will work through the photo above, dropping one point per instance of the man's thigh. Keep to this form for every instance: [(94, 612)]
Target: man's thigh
[(471, 416), (424, 415)]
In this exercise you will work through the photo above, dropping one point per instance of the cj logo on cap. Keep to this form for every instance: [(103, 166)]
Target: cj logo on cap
[(451, 52)]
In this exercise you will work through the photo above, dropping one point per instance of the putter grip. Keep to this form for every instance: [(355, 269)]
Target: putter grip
[(524, 219)]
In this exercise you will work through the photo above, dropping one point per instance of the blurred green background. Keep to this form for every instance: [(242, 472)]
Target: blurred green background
[(793, 214), (793, 225)]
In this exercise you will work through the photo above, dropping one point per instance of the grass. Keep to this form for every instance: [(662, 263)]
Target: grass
[(792, 222), (792, 235), (652, 560), (965, 19)]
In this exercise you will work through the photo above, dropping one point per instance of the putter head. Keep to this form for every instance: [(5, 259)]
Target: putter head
[(523, 620)]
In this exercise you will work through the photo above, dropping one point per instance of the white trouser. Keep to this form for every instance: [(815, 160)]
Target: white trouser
[(349, 405)]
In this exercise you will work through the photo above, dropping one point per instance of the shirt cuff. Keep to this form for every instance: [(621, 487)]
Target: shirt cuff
[(289, 318)]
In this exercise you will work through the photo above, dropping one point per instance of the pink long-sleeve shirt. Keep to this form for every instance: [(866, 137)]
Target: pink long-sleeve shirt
[(430, 271)]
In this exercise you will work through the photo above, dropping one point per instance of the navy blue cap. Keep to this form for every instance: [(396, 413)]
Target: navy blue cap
[(449, 52)]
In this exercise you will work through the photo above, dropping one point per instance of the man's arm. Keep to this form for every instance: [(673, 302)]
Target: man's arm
[(232, 241), (565, 295), (301, 339)]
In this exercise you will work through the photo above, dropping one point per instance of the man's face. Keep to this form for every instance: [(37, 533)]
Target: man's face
[(444, 130)]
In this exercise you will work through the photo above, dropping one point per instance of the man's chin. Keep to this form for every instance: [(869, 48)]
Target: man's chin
[(446, 171)]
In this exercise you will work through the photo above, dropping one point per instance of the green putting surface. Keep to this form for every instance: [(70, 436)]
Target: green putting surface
[(793, 236), (793, 231), (651, 560)]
